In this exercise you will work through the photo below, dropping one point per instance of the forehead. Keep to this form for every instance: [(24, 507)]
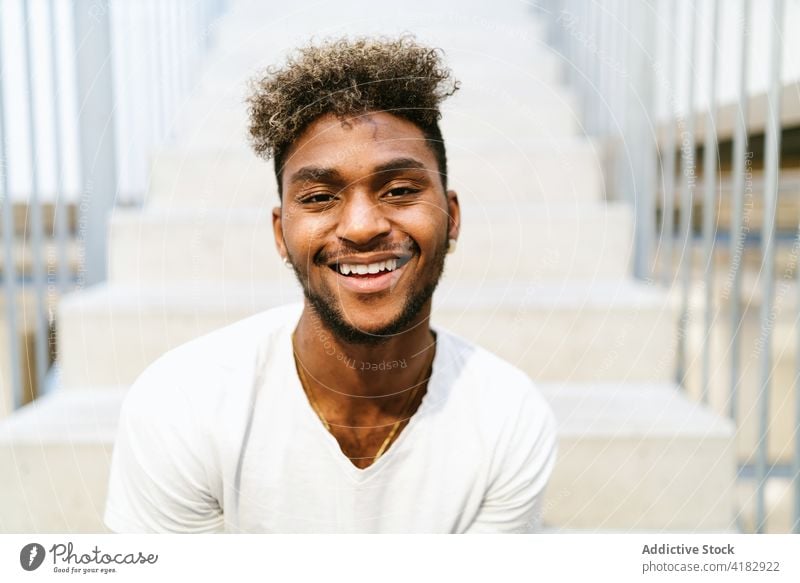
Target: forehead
[(358, 143)]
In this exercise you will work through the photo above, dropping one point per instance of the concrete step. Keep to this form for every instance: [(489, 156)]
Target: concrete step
[(639, 457), (499, 169), (603, 331), (515, 242), (530, 70), (212, 125), (550, 120), (630, 458), (505, 169), (442, 14), (211, 179), (432, 24), (54, 459), (568, 332), (489, 91), (249, 38)]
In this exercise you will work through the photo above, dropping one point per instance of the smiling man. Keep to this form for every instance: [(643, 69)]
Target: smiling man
[(347, 412)]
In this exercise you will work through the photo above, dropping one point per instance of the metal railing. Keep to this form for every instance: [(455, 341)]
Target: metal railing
[(621, 57), (84, 74)]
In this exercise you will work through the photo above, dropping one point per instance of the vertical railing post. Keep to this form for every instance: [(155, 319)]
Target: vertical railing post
[(772, 157), (96, 128), (60, 218), (668, 158), (709, 197), (687, 198), (9, 268), (40, 308), (737, 235), (641, 181)]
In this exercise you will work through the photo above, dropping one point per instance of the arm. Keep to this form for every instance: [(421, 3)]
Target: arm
[(159, 475), (513, 501)]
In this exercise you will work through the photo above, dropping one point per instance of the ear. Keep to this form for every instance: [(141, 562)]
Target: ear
[(454, 212), (277, 231)]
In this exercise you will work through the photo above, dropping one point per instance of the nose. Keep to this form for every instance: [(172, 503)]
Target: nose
[(362, 220)]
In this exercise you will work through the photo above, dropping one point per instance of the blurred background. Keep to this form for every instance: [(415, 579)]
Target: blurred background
[(629, 174)]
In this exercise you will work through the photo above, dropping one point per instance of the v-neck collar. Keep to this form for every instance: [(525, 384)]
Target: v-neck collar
[(356, 474)]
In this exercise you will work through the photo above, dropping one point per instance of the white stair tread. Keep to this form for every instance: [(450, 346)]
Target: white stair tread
[(193, 296), (75, 416), (619, 410)]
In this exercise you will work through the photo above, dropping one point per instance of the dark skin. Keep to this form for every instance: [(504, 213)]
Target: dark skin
[(356, 192)]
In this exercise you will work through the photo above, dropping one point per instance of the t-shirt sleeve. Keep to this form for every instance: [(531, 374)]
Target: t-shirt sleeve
[(513, 502), (159, 480)]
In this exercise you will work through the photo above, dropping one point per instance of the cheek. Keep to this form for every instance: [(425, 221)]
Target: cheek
[(304, 234), (427, 226)]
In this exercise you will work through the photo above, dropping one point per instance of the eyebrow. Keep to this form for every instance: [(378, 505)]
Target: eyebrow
[(331, 175), (316, 174), (398, 164)]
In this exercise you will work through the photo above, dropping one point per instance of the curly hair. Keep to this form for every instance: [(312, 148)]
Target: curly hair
[(349, 77)]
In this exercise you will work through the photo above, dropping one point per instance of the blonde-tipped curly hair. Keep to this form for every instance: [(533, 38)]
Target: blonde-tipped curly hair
[(349, 77)]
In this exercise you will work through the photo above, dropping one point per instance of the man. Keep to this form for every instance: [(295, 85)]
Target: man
[(347, 413)]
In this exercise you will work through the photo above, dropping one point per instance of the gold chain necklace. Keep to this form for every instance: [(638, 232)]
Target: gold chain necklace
[(307, 390)]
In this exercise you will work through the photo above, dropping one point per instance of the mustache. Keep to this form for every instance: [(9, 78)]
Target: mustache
[(407, 247)]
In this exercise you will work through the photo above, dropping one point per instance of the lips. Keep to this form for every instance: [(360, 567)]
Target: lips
[(369, 276)]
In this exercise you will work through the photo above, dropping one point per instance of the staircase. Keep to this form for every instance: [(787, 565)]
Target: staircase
[(541, 277)]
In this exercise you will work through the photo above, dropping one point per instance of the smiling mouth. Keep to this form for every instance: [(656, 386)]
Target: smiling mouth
[(369, 270)]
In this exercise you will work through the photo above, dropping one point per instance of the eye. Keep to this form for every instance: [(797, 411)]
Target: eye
[(318, 198), (401, 191)]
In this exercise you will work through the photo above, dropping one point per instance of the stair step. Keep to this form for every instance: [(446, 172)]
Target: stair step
[(512, 67), (54, 460), (254, 42), (515, 242), (518, 116), (501, 169), (630, 458), (556, 332), (639, 457)]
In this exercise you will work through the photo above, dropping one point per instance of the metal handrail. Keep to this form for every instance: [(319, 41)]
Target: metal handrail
[(616, 28), (100, 29)]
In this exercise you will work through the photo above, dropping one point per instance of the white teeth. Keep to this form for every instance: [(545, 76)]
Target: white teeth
[(363, 269)]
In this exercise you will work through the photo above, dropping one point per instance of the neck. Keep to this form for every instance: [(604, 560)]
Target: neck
[(358, 373)]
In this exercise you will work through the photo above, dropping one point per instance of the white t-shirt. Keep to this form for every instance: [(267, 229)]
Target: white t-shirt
[(218, 435)]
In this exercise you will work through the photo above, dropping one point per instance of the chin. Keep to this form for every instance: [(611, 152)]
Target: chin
[(365, 328)]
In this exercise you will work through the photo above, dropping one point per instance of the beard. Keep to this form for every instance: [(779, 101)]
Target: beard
[(330, 312)]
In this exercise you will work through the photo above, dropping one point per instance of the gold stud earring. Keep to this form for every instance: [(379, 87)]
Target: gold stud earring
[(451, 245)]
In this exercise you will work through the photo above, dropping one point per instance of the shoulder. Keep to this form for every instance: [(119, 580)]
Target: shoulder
[(485, 374), (494, 400), (211, 367)]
